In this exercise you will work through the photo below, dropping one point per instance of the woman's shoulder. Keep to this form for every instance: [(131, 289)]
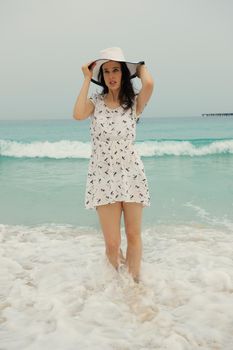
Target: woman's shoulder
[(137, 116), (95, 97)]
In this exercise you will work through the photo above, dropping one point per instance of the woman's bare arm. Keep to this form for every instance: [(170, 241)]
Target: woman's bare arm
[(83, 107), (146, 89)]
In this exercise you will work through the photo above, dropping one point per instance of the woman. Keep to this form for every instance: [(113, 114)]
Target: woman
[(116, 179)]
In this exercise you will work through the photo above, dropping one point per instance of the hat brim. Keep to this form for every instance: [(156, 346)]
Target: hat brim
[(132, 66)]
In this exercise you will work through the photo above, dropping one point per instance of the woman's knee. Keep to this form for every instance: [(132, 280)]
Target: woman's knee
[(112, 247), (133, 235)]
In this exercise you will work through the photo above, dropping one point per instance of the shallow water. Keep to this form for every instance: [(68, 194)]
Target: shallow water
[(58, 291)]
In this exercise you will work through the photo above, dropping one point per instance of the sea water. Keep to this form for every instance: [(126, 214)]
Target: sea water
[(188, 163), (58, 291)]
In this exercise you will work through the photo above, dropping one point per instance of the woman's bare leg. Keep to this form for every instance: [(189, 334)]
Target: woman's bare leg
[(133, 220), (110, 221)]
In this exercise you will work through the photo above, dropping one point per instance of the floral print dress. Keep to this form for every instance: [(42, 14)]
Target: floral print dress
[(115, 171)]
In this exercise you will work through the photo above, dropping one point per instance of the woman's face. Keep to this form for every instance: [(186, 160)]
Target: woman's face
[(112, 74)]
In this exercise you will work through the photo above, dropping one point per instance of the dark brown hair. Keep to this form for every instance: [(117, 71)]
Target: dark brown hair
[(127, 94)]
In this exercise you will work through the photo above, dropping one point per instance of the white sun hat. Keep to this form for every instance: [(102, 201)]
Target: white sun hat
[(112, 54)]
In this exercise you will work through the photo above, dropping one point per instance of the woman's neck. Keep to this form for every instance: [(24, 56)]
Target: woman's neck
[(113, 96)]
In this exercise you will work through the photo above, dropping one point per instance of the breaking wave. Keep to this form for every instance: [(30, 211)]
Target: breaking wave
[(149, 148)]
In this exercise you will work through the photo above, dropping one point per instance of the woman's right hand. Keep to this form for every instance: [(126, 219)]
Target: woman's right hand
[(88, 72)]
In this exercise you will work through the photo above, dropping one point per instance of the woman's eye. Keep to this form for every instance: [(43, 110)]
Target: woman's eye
[(114, 70)]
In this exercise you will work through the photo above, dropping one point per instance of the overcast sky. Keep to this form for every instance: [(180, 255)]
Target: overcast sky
[(186, 44)]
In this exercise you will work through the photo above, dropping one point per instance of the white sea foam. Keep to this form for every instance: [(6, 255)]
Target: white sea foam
[(59, 150), (77, 149), (183, 148), (58, 291), (210, 219)]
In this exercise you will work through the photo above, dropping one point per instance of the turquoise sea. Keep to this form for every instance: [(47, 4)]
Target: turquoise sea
[(58, 290), (188, 163)]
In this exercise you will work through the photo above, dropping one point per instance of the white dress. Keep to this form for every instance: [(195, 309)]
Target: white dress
[(115, 171)]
